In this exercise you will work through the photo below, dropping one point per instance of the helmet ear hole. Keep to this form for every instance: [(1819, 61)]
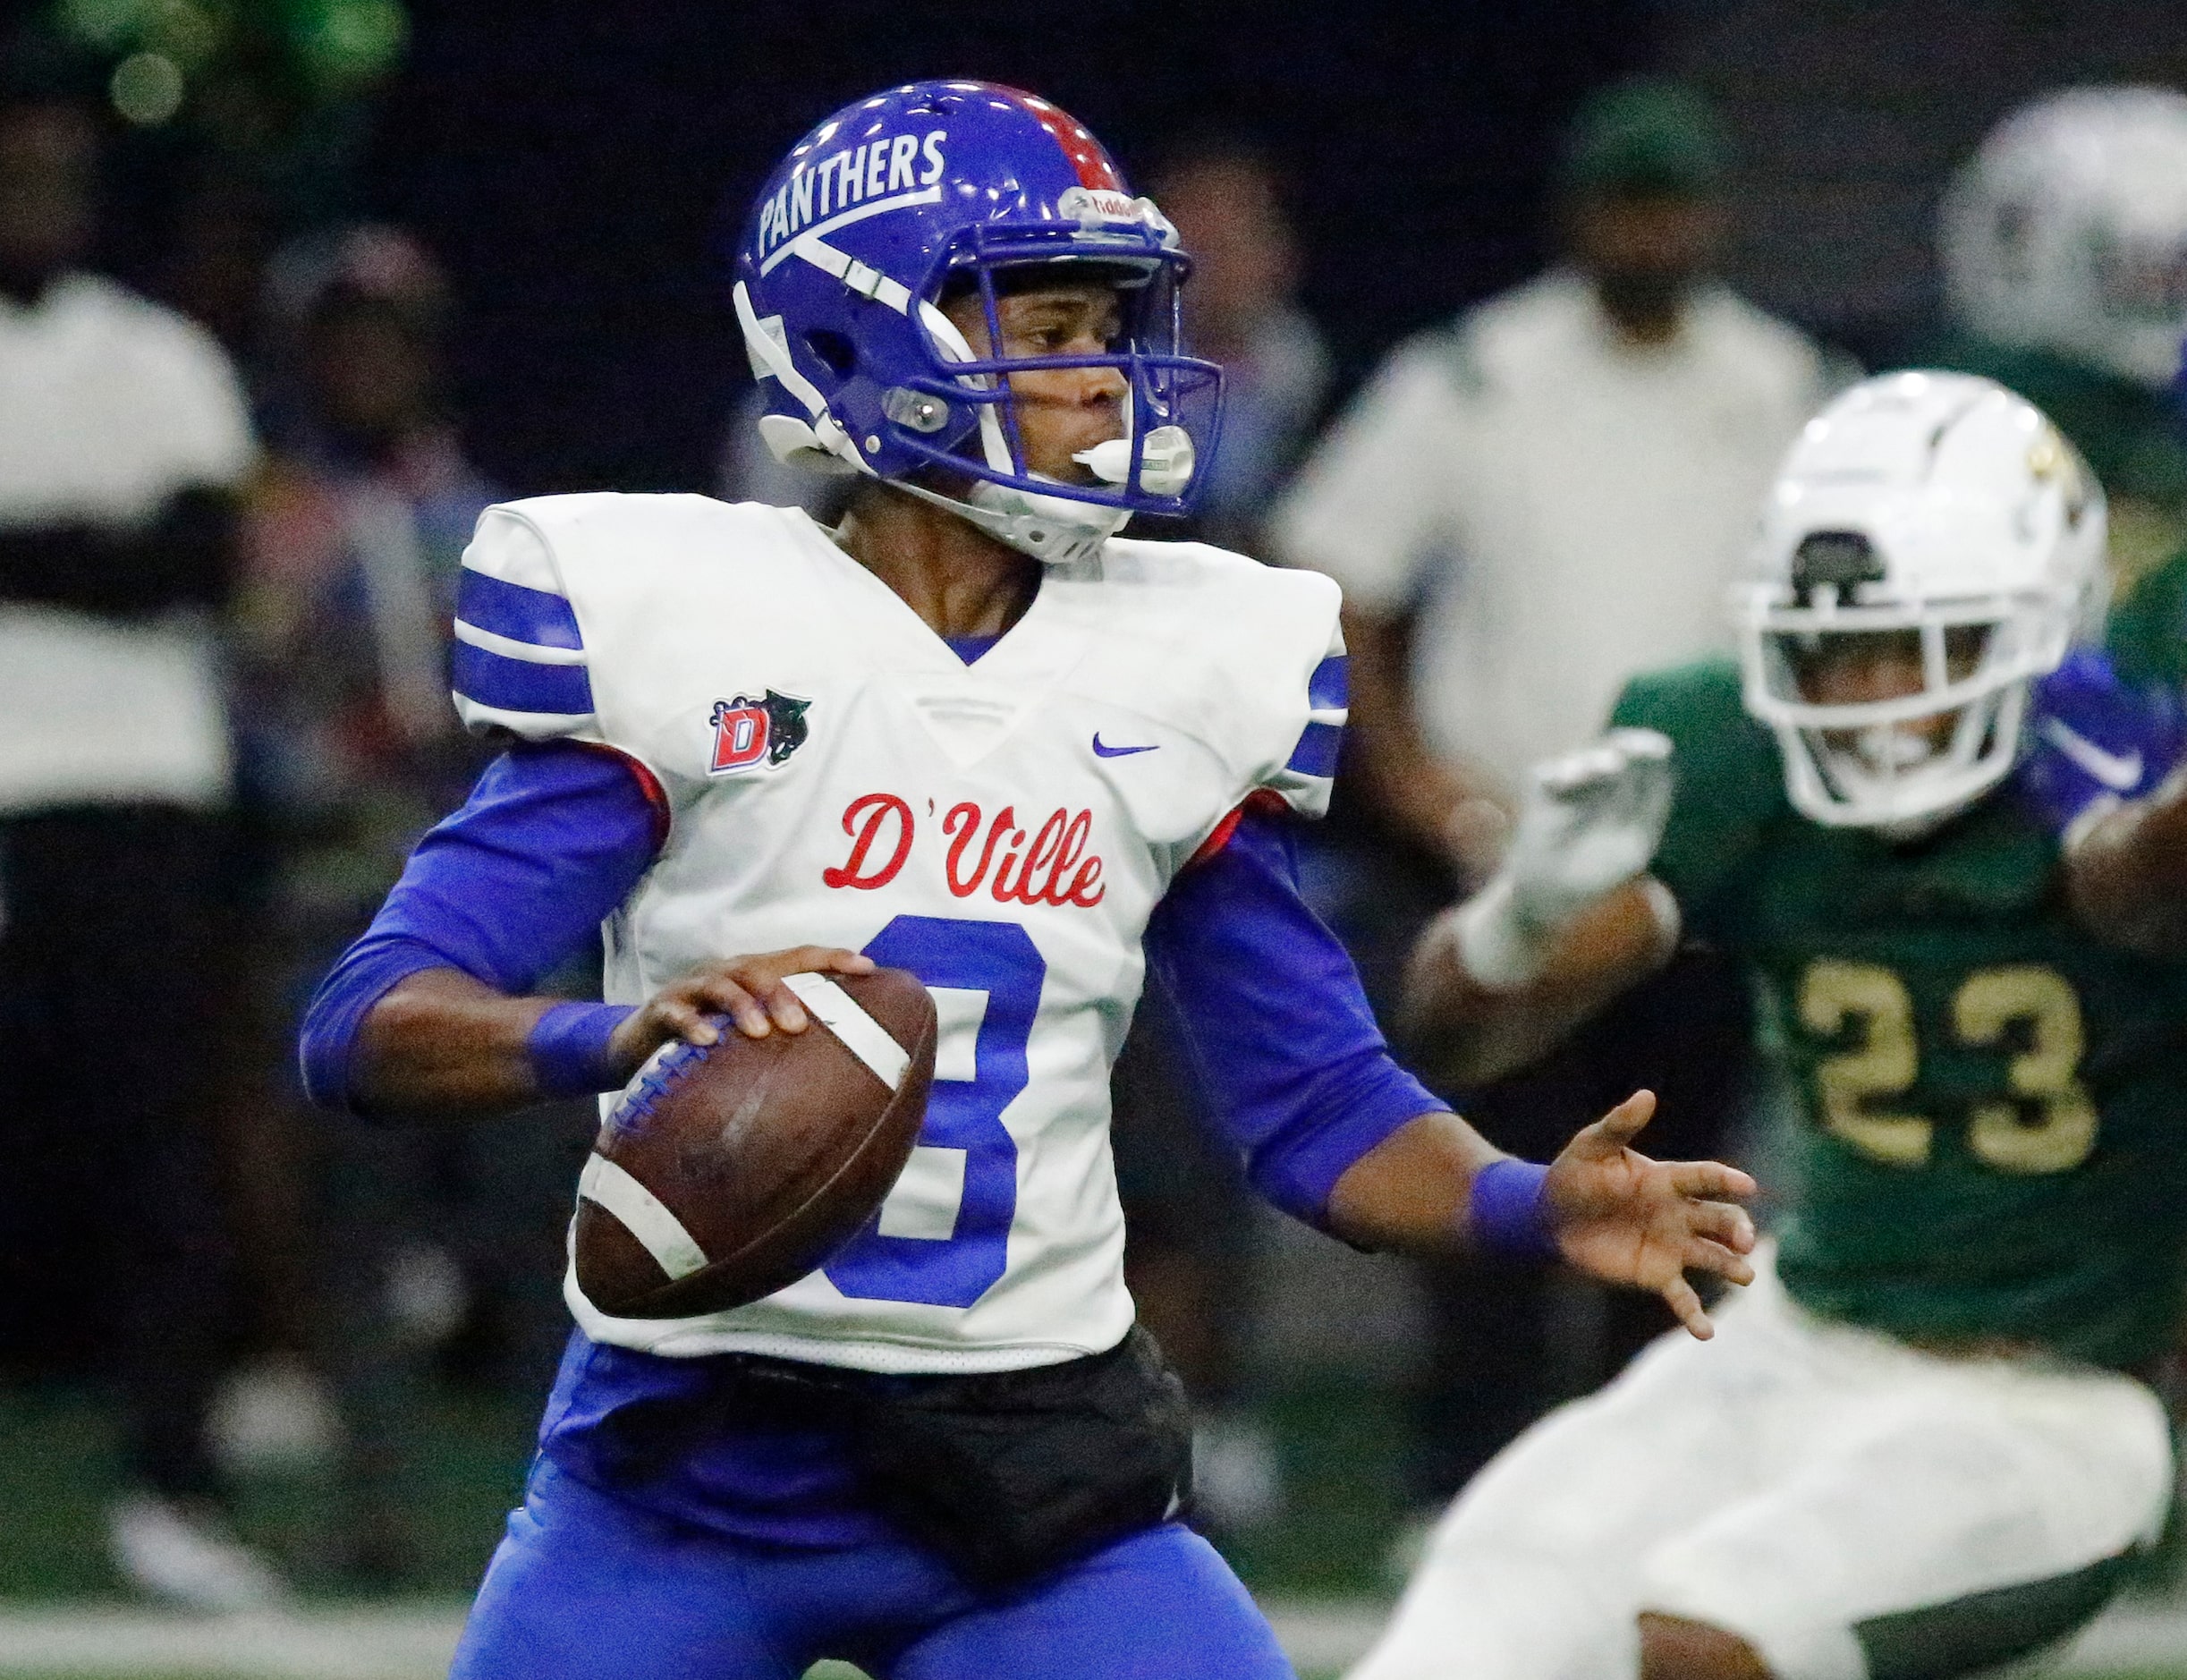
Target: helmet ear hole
[(834, 349)]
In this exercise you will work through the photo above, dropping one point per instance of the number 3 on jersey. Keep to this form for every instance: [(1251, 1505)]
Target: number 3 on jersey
[(2046, 1124), (943, 1237)]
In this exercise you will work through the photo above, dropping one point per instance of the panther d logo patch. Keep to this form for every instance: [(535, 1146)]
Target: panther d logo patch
[(749, 732)]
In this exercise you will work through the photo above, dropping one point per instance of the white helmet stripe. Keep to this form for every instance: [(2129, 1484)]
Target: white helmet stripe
[(868, 282)]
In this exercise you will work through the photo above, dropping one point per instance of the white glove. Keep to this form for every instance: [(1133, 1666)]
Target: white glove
[(1590, 823)]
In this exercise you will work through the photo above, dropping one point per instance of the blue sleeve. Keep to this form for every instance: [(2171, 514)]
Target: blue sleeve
[(551, 840), (1274, 1019)]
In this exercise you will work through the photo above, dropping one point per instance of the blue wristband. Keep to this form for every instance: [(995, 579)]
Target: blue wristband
[(568, 1048), (1504, 1211)]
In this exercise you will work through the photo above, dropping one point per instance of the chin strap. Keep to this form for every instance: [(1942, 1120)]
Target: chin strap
[(1034, 525)]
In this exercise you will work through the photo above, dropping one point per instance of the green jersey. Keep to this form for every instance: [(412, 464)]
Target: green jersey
[(1993, 1115), (2147, 634)]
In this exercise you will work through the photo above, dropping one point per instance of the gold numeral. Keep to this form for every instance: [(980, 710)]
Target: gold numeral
[(2044, 1074), (1884, 1062)]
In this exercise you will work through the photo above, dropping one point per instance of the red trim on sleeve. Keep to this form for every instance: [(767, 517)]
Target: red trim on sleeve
[(1265, 801), (1216, 841)]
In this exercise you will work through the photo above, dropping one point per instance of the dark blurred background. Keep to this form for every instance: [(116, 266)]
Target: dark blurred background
[(569, 162), (570, 167)]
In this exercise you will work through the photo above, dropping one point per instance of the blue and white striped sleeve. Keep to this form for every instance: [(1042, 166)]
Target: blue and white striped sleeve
[(518, 661), (1309, 774)]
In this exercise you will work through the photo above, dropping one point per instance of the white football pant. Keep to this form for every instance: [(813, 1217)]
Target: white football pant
[(1852, 1507)]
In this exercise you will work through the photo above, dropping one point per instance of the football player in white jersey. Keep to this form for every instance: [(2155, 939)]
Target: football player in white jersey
[(973, 733)]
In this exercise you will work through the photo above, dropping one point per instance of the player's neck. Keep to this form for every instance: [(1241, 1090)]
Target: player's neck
[(959, 580)]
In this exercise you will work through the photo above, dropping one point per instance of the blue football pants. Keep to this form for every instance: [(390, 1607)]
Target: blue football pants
[(586, 1586)]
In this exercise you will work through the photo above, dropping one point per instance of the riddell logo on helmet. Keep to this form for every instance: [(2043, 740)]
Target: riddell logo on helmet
[(876, 169), (1090, 206)]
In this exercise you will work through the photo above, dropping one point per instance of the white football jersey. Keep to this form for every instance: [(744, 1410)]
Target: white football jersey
[(836, 776)]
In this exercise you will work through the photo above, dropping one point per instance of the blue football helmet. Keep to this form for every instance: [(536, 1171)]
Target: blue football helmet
[(939, 185)]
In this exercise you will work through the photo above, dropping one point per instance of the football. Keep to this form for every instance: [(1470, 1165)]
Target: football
[(727, 1171)]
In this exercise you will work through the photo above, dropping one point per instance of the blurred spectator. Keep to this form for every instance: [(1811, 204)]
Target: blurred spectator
[(356, 537), (1558, 488), (213, 267), (122, 436), (2064, 243), (1241, 310), (355, 540), (1525, 508)]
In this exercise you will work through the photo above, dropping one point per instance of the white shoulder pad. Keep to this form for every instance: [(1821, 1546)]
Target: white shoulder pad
[(519, 660), (1269, 688)]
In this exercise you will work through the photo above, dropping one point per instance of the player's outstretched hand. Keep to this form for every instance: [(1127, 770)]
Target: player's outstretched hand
[(1590, 823), (1624, 1218), (747, 989)]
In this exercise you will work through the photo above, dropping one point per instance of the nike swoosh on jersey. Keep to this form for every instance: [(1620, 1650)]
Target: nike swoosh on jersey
[(2121, 772), (1104, 752)]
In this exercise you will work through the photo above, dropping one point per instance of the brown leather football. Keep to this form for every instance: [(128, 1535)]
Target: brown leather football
[(729, 1171)]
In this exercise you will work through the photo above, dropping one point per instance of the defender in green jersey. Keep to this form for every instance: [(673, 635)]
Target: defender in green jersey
[(1993, 1144), (2148, 632), (1947, 847)]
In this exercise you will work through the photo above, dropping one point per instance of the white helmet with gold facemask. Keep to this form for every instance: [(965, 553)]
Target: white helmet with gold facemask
[(1938, 523)]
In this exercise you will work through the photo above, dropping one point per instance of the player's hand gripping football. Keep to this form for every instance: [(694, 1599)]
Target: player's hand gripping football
[(1618, 1215), (747, 989), (1590, 823)]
